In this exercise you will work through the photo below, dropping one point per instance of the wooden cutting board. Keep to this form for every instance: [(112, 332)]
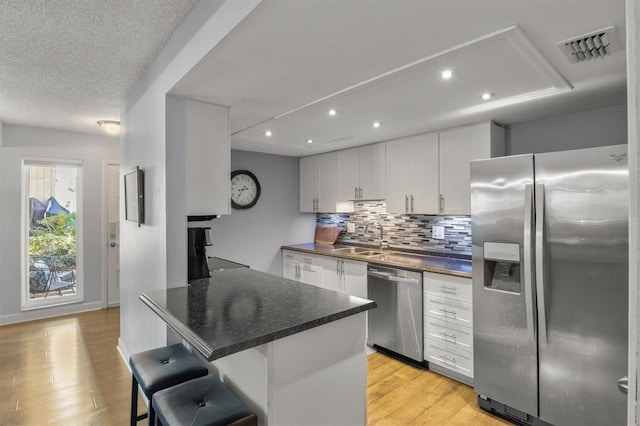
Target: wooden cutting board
[(327, 234)]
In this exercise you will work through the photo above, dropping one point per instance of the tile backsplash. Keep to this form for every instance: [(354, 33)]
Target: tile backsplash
[(403, 231)]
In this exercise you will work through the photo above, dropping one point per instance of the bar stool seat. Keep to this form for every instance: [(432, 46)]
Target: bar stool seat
[(158, 369), (205, 401)]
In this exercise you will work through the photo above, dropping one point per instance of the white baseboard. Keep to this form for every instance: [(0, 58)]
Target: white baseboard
[(51, 312), (124, 353)]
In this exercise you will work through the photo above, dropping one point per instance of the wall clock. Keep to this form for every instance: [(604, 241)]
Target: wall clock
[(245, 189)]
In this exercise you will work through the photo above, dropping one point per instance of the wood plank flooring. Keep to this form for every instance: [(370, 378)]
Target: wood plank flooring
[(67, 371)]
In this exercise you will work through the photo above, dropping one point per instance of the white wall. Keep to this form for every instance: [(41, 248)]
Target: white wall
[(148, 258), (20, 142), (254, 236), (585, 129)]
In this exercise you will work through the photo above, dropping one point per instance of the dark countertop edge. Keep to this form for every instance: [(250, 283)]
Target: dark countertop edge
[(178, 326), (383, 263), (213, 354)]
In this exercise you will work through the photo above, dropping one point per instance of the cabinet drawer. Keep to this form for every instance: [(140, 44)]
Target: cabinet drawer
[(453, 359), (448, 334), (448, 286), (449, 310)]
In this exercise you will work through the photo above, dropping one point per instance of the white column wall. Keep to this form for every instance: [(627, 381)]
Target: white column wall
[(148, 258)]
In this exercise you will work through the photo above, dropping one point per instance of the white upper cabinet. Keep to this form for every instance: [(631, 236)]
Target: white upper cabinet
[(318, 185), (361, 173), (422, 174), (372, 172), (429, 173), (458, 147), (203, 128), (348, 174), (412, 174)]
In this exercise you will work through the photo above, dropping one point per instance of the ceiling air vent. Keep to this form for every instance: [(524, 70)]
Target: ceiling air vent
[(597, 44)]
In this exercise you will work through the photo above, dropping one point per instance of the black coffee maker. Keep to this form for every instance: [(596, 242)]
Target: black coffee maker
[(197, 243)]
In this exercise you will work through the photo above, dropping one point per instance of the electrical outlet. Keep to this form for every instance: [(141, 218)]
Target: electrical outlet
[(437, 232), (351, 227)]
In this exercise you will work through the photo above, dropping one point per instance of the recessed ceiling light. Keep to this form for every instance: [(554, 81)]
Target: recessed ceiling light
[(487, 96), (309, 140), (268, 133), (446, 74), (333, 112), (110, 126), (377, 124)]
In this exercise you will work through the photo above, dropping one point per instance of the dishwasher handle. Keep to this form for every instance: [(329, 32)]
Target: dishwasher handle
[(391, 277)]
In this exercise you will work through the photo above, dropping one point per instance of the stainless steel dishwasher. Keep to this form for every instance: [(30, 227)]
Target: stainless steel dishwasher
[(396, 324)]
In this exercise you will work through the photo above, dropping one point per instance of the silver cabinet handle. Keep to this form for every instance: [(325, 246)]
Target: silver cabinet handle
[(448, 336), (355, 196), (342, 267), (406, 204), (542, 312), (441, 203), (449, 288), (623, 384), (448, 360), (337, 267), (528, 263), (411, 203), (360, 192), (447, 312)]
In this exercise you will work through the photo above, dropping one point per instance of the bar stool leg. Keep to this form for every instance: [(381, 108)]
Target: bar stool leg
[(134, 400)]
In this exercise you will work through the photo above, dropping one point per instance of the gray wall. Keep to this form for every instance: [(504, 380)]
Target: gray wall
[(254, 236), (587, 129), (93, 150)]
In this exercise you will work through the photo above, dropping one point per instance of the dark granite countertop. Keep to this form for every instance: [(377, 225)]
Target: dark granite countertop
[(218, 264), (460, 267), (237, 309)]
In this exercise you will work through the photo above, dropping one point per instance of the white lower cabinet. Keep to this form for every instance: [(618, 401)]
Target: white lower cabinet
[(332, 273), (448, 325), (302, 267)]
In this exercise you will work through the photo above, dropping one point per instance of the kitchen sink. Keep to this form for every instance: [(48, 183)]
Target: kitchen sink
[(361, 251)]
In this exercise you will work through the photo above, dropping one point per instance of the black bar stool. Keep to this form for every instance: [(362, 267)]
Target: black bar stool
[(159, 369), (205, 401)]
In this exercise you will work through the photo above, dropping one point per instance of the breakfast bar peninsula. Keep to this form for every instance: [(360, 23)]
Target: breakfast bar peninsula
[(294, 353)]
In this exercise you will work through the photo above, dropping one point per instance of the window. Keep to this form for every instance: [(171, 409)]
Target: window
[(52, 242)]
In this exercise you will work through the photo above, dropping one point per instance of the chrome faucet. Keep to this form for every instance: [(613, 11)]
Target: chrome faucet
[(382, 243)]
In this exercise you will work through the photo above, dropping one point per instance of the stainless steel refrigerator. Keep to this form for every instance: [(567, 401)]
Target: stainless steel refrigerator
[(550, 285)]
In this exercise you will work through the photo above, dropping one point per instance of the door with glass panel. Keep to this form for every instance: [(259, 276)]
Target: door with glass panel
[(51, 192)]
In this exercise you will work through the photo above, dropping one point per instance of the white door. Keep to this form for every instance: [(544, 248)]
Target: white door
[(113, 234)]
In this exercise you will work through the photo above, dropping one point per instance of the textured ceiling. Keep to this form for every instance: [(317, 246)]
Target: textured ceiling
[(65, 64)]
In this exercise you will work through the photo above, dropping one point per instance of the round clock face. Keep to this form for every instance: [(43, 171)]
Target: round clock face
[(245, 189)]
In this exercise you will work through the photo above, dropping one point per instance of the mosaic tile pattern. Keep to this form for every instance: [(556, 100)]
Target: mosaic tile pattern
[(406, 232)]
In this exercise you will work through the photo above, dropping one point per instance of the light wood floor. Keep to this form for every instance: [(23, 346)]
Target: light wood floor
[(67, 371)]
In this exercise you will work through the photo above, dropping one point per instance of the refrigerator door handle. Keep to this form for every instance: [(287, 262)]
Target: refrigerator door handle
[(542, 312), (528, 261), (623, 384)]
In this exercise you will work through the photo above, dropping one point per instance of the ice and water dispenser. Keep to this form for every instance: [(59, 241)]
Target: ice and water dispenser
[(502, 267)]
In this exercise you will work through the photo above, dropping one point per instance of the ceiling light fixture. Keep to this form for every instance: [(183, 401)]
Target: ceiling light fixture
[(446, 74), (487, 96), (333, 112), (111, 127), (309, 140), (377, 124), (268, 133)]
